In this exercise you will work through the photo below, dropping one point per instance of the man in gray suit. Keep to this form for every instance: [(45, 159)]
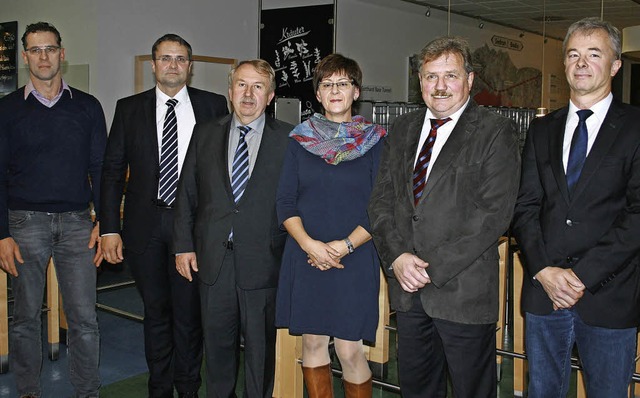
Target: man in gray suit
[(226, 230), (444, 194)]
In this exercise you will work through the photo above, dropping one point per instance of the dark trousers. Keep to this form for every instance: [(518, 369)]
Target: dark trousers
[(228, 311), (172, 326), (428, 347)]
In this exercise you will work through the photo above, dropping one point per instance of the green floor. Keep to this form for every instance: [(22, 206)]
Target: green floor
[(136, 386)]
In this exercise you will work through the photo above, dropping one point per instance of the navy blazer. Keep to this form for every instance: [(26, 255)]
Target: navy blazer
[(206, 211), (133, 146), (466, 206), (596, 230)]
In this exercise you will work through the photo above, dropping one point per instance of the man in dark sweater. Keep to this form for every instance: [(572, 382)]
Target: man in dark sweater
[(52, 140)]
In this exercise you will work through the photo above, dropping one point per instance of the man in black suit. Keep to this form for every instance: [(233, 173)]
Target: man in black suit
[(149, 137), (227, 233), (438, 241), (577, 221)]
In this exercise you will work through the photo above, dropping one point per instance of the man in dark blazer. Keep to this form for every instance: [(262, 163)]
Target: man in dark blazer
[(438, 242), (577, 222), (140, 142), (226, 231)]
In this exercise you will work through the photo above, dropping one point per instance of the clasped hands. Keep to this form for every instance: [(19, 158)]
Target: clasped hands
[(325, 256), (562, 286), (411, 272)]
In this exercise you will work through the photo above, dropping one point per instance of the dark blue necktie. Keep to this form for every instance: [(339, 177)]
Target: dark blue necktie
[(578, 152), (169, 155), (240, 167)]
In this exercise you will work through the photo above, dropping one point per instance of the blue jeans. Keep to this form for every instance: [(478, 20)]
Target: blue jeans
[(64, 236), (606, 355)]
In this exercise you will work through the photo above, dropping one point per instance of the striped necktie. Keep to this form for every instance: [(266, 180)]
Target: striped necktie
[(424, 158), (240, 167), (169, 155)]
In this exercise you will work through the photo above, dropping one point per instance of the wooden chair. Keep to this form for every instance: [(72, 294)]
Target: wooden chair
[(55, 317), (519, 365), (503, 250)]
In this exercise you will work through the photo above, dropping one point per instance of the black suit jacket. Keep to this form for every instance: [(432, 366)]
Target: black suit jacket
[(133, 144), (206, 211), (466, 206), (596, 230)]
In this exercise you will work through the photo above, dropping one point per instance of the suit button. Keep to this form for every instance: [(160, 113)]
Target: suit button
[(569, 223), (416, 218)]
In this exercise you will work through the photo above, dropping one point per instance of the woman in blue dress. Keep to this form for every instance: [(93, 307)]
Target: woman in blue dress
[(329, 279)]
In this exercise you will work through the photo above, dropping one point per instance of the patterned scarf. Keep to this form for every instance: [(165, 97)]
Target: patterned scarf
[(337, 142)]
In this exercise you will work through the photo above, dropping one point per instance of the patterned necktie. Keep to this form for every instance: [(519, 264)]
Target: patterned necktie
[(240, 167), (424, 157), (578, 152), (169, 155)]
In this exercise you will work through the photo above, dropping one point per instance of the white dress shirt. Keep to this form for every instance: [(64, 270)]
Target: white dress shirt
[(594, 122), (186, 120), (442, 136)]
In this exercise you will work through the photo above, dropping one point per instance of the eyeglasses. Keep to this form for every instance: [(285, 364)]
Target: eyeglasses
[(166, 59), (341, 85), (49, 50)]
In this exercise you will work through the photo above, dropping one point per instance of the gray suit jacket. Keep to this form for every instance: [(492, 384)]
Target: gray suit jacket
[(466, 206), (205, 210)]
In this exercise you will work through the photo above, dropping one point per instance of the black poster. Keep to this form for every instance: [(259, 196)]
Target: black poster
[(8, 57), (293, 41)]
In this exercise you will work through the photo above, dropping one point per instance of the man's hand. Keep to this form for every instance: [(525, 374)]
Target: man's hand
[(112, 248), (411, 272), (563, 287), (185, 263), (94, 241), (8, 251)]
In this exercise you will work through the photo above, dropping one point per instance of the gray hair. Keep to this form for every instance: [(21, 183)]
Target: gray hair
[(447, 45), (589, 25), (259, 65)]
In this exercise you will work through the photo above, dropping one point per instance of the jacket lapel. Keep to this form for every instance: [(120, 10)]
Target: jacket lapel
[(451, 149), (414, 129), (604, 140), (151, 130), (556, 138)]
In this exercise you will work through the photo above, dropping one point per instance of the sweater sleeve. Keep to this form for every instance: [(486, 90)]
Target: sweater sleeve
[(96, 152), (4, 167)]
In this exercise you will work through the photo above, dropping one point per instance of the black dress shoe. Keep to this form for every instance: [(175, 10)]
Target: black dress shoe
[(188, 395)]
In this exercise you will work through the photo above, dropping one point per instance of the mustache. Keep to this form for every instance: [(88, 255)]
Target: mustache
[(250, 100), (440, 93)]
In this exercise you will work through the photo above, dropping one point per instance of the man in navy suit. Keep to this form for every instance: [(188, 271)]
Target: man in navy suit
[(141, 141), (577, 221)]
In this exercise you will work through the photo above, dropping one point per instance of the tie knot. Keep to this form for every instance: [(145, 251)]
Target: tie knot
[(437, 123), (584, 114), (244, 130), (171, 102)]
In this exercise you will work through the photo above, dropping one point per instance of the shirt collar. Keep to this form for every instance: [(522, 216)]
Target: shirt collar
[(599, 109), (257, 125), (455, 116), (31, 89), (182, 96)]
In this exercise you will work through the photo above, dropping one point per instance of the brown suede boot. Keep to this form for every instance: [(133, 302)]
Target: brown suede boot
[(364, 390), (318, 381)]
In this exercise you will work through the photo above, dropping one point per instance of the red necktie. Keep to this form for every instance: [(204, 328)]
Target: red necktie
[(424, 157)]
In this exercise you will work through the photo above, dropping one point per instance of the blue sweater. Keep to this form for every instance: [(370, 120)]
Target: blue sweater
[(50, 158)]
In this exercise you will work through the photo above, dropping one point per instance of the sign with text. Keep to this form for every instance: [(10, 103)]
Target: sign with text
[(294, 40), (504, 42), (8, 57)]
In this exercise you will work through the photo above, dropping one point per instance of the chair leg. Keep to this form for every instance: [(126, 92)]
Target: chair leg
[(318, 381)]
